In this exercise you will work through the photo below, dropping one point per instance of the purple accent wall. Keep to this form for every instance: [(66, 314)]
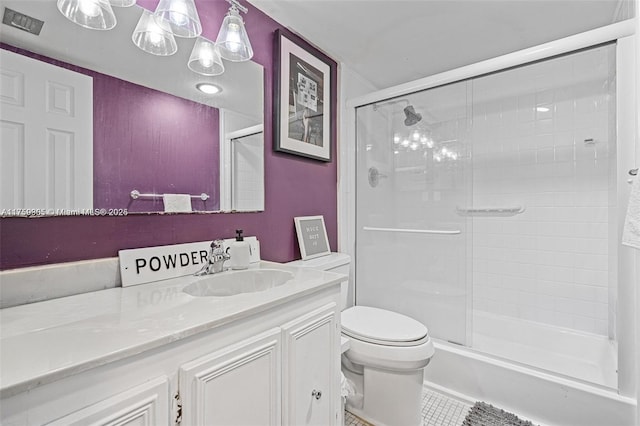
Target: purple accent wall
[(157, 138), (164, 144), (294, 186)]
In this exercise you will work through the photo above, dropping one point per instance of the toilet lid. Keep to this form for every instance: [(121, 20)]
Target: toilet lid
[(382, 327)]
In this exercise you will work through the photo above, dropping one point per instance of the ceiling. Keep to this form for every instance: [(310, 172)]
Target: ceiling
[(389, 42)]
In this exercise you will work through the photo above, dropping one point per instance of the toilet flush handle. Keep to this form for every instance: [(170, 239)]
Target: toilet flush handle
[(316, 394)]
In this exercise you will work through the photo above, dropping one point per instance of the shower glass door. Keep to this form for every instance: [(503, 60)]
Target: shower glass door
[(486, 209), (412, 176)]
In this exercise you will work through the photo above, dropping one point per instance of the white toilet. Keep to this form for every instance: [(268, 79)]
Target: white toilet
[(386, 357)]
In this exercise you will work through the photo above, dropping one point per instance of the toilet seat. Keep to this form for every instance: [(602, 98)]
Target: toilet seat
[(382, 327)]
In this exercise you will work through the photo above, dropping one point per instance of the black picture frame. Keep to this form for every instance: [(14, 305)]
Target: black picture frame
[(304, 108)]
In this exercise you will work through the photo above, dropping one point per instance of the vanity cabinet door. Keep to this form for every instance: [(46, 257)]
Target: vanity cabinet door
[(311, 382), (144, 405), (238, 385)]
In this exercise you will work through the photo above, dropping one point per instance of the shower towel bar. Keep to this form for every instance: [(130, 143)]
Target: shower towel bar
[(135, 194), (504, 211), (412, 231)]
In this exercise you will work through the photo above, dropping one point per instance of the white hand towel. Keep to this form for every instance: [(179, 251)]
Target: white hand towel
[(180, 203), (631, 231)]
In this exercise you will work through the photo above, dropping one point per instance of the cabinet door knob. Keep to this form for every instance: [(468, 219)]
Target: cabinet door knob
[(316, 394)]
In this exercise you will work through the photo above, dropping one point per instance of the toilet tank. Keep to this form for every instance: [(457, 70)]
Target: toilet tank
[(334, 262)]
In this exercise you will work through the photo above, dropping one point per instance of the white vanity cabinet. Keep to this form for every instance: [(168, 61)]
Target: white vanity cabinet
[(277, 365), (311, 382), (144, 405), (238, 385), (288, 375)]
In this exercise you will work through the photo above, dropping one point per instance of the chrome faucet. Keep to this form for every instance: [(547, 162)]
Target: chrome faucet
[(215, 260)]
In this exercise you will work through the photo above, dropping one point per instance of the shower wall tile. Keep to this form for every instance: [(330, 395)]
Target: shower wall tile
[(550, 263)]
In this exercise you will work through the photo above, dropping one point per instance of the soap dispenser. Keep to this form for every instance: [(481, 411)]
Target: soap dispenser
[(240, 252)]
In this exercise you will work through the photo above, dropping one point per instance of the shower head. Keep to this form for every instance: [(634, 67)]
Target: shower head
[(411, 116)]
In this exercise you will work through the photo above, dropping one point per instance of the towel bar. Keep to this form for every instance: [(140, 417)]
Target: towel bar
[(135, 194)]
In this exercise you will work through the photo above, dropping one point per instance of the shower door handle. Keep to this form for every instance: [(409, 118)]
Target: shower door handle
[(633, 172), (412, 231)]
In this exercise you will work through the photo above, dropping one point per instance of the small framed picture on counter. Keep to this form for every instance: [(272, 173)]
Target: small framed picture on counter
[(312, 236)]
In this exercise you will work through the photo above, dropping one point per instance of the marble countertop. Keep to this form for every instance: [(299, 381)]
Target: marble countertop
[(46, 341)]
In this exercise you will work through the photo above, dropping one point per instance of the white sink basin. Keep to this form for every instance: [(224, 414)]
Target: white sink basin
[(231, 283)]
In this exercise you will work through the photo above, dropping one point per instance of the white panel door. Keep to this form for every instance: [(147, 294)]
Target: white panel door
[(247, 182), (238, 385), (46, 151), (144, 405), (311, 383)]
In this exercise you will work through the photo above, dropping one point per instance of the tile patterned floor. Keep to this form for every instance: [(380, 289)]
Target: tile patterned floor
[(437, 410), (440, 410)]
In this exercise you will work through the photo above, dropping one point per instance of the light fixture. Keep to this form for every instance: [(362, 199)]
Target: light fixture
[(233, 40), (182, 15), (153, 36), (92, 14), (122, 3), (208, 88), (205, 58)]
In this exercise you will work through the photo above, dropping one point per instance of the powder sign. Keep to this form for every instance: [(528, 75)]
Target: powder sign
[(144, 265)]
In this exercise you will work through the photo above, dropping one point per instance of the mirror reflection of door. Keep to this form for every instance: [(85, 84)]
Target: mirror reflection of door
[(46, 154), (247, 174), (241, 163)]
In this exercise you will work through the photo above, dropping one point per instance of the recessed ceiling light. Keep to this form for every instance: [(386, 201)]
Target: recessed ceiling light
[(208, 88)]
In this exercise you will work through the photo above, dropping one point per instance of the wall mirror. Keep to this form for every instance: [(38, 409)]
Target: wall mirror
[(152, 130)]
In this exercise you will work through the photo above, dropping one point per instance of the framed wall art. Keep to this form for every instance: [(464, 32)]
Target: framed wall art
[(304, 117)]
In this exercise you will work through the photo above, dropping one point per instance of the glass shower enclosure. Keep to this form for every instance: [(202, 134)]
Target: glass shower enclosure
[(486, 209)]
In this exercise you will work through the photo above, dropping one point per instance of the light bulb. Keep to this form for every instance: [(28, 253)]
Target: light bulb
[(155, 37), (179, 13), (416, 135), (405, 143), (414, 146), (206, 60), (396, 139), (89, 8), (234, 42)]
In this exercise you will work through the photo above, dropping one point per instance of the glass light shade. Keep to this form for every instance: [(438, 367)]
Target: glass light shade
[(153, 36), (92, 14), (182, 15), (233, 40), (205, 58), (122, 3)]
